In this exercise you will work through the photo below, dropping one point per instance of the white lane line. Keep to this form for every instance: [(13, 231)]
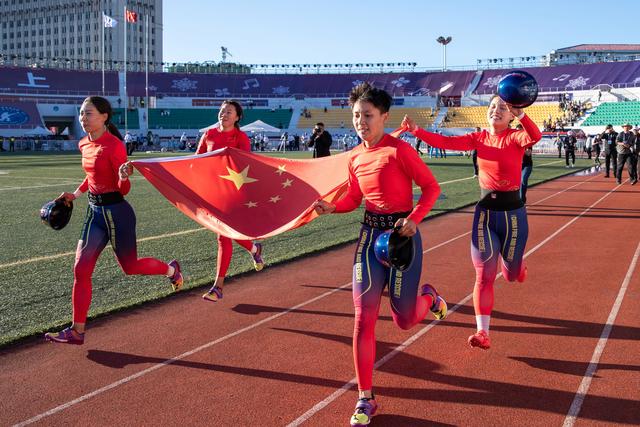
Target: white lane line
[(347, 386), (60, 255), (248, 328), (576, 405), (70, 181)]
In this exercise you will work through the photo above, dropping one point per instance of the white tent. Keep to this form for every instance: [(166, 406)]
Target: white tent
[(215, 125), (259, 126), (39, 131)]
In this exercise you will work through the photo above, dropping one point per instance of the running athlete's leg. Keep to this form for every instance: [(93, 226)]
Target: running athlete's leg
[(121, 222), (369, 277), (225, 251), (93, 239), (516, 233), (407, 307), (485, 252)]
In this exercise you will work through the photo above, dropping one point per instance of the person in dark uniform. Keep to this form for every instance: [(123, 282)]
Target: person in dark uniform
[(474, 158), (597, 147), (610, 155), (320, 141), (417, 145), (625, 143), (570, 148)]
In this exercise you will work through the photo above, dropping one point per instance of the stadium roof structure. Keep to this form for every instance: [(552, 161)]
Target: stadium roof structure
[(600, 48)]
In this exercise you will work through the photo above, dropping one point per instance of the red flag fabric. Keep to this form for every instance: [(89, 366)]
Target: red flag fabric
[(131, 16), (243, 195)]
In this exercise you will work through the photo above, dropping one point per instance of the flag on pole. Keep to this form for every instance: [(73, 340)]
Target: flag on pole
[(131, 16), (109, 22), (243, 195)]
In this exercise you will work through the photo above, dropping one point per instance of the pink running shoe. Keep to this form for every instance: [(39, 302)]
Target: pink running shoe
[(65, 336), (177, 279), (365, 410), (480, 339)]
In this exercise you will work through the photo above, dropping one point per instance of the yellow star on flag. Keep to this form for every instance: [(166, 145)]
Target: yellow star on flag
[(275, 199), (281, 170), (239, 179), (287, 183), (251, 204)]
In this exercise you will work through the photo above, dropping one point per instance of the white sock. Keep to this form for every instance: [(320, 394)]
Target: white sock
[(254, 249), (170, 271), (482, 322)]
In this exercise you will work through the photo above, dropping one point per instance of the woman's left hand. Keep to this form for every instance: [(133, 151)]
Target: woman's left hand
[(125, 170), (515, 111), (406, 227)]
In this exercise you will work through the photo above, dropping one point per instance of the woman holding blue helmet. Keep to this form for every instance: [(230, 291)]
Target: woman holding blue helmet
[(382, 170)]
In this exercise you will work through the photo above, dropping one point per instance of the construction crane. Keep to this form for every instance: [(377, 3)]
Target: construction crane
[(225, 52)]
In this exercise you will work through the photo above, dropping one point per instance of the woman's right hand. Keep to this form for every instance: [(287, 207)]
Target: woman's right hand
[(323, 207), (409, 124), (67, 197)]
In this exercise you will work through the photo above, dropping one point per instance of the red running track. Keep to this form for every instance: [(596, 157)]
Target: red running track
[(277, 350)]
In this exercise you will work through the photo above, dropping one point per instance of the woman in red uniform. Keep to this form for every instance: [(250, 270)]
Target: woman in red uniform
[(228, 134), (382, 170), (109, 218), (500, 227)]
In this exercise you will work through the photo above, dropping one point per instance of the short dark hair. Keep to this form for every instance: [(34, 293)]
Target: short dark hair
[(238, 108), (366, 92), (320, 124)]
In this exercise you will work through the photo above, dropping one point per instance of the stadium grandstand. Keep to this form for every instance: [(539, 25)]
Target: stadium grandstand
[(42, 103)]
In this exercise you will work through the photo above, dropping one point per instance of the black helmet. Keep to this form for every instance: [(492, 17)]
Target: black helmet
[(56, 213), (394, 250)]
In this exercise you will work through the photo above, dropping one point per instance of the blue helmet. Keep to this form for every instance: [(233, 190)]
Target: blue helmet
[(56, 213), (394, 250), (518, 88)]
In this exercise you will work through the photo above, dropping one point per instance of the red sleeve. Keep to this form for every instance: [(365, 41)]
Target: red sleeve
[(119, 157), (421, 175), (202, 145), (244, 143), (84, 186), (462, 142), (353, 197), (530, 135)]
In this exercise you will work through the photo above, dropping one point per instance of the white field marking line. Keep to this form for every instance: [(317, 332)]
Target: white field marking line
[(71, 181), (576, 405), (50, 257), (70, 178), (347, 386), (233, 334)]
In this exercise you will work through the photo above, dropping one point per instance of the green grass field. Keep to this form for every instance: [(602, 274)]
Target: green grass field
[(36, 261)]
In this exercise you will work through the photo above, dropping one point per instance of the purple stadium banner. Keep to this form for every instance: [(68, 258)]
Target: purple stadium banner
[(571, 77), (18, 114)]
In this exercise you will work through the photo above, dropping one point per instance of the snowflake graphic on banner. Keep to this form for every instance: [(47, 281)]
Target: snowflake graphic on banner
[(222, 92), (357, 82), (184, 84), (280, 90), (577, 82), (492, 81), (152, 88), (400, 82)]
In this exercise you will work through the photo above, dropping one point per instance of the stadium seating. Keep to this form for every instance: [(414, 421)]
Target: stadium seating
[(197, 118), (341, 117), (471, 117), (615, 113)]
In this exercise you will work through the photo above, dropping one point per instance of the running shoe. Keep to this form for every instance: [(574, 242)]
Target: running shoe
[(176, 279), (258, 263), (365, 410), (439, 306), (480, 339), (65, 336), (214, 294)]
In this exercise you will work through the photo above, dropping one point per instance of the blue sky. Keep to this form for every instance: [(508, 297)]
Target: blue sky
[(343, 31)]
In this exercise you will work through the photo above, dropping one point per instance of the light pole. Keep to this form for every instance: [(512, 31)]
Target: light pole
[(444, 42)]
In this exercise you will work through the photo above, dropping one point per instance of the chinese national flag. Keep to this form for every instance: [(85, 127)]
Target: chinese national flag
[(243, 195), (131, 16)]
